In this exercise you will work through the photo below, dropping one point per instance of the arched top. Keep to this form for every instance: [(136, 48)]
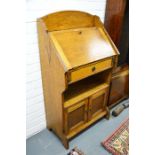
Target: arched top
[(67, 20)]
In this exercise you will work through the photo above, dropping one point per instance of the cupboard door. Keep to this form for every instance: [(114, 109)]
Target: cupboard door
[(76, 116), (97, 104)]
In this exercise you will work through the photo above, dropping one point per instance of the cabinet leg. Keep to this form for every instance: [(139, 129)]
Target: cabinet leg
[(108, 113), (66, 143)]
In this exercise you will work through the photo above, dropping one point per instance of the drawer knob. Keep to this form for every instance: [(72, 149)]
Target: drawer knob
[(93, 69)]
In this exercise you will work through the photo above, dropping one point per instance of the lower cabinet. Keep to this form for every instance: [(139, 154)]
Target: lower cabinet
[(84, 111)]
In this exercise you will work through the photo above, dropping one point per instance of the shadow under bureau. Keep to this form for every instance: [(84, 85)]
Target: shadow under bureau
[(77, 58)]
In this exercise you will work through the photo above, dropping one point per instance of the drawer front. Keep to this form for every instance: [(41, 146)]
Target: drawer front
[(76, 116), (88, 70), (97, 103)]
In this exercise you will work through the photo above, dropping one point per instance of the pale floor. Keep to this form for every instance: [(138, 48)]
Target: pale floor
[(89, 141)]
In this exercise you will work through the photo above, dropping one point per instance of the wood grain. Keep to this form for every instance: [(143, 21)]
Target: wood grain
[(68, 20), (77, 57), (91, 69), (119, 85), (97, 103), (86, 45), (76, 115), (114, 18), (73, 97), (53, 79)]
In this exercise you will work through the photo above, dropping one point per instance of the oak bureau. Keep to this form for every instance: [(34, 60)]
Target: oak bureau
[(77, 58)]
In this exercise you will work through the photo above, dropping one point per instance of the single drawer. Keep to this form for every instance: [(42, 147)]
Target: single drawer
[(88, 70)]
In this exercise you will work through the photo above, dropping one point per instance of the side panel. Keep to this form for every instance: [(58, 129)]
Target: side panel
[(53, 79)]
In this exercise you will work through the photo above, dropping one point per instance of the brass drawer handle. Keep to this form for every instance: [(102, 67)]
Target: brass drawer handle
[(93, 69)]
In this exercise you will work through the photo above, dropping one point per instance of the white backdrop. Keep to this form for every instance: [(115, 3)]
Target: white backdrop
[(35, 114)]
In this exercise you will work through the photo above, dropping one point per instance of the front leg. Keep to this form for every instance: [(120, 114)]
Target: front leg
[(65, 142)]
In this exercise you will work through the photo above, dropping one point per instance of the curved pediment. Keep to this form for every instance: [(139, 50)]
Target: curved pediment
[(68, 20)]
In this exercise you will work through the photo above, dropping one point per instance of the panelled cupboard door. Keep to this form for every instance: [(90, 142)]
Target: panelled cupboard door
[(76, 115), (97, 104)]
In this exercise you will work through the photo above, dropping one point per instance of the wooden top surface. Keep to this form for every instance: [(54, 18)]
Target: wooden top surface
[(82, 46)]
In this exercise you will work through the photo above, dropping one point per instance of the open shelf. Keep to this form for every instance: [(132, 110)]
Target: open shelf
[(85, 88)]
